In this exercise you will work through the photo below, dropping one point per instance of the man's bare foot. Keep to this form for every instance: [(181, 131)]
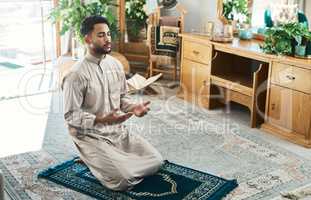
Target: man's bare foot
[(78, 160)]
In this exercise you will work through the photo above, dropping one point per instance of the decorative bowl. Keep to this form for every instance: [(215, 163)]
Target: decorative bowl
[(245, 34)]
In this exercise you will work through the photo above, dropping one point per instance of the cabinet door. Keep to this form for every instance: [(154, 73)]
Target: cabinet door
[(290, 109), (194, 79), (202, 83)]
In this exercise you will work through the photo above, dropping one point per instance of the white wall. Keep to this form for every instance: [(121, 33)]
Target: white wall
[(199, 12)]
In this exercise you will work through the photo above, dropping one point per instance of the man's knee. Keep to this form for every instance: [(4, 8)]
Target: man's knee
[(159, 160), (125, 184)]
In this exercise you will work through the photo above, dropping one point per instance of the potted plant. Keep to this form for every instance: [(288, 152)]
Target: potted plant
[(277, 41), (288, 39), (300, 36), (136, 20), (72, 12)]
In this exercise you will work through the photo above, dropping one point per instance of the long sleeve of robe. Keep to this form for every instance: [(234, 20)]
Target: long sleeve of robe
[(117, 158)]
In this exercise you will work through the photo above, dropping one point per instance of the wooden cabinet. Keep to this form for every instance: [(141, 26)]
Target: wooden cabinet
[(194, 82), (289, 104), (195, 70), (290, 109)]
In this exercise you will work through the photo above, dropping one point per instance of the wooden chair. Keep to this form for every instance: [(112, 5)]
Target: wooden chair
[(163, 63)]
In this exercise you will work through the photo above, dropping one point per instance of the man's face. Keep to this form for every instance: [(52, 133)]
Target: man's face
[(100, 39)]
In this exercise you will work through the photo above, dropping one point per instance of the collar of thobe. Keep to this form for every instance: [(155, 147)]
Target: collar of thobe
[(94, 59)]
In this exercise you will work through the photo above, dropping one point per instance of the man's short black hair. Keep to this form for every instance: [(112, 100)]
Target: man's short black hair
[(88, 23)]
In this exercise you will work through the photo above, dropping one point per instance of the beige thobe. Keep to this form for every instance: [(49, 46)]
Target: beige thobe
[(117, 158)]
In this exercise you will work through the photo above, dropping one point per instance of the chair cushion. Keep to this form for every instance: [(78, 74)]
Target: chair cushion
[(169, 21), (164, 40)]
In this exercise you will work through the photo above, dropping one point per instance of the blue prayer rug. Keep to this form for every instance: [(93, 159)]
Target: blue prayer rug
[(172, 182)]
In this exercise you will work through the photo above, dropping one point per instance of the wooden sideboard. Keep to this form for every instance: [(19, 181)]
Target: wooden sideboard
[(276, 89)]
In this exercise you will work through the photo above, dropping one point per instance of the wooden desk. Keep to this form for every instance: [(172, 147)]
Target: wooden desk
[(276, 89)]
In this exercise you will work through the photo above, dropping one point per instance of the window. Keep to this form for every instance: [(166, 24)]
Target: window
[(22, 35)]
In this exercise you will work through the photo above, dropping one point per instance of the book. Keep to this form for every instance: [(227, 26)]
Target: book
[(138, 82)]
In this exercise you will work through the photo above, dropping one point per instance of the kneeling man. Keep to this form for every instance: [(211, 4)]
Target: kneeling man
[(95, 93)]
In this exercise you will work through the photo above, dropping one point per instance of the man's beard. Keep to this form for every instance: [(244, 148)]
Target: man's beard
[(100, 50)]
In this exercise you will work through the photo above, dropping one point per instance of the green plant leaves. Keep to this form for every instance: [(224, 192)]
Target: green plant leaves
[(236, 6), (135, 16), (283, 38), (71, 13)]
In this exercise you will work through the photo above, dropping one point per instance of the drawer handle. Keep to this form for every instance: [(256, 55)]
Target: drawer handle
[(195, 52), (290, 77), (215, 56)]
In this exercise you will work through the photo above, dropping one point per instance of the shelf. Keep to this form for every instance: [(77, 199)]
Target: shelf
[(236, 82)]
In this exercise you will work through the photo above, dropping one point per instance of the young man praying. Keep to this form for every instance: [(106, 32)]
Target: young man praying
[(95, 93)]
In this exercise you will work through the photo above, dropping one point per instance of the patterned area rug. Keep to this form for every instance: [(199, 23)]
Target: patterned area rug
[(172, 182), (303, 193), (216, 142)]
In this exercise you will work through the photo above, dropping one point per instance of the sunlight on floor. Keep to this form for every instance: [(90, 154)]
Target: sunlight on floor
[(23, 122), (25, 99)]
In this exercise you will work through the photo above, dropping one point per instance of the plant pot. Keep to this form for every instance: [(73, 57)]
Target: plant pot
[(308, 49), (137, 37), (300, 50), (294, 44), (135, 32)]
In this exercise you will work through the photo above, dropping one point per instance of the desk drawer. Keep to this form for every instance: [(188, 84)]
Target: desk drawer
[(197, 52), (291, 77)]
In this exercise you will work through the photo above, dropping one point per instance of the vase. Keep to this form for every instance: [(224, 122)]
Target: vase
[(308, 49), (300, 50), (294, 43), (245, 34), (228, 31)]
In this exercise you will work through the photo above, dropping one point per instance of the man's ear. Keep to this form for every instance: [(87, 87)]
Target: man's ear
[(87, 39)]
